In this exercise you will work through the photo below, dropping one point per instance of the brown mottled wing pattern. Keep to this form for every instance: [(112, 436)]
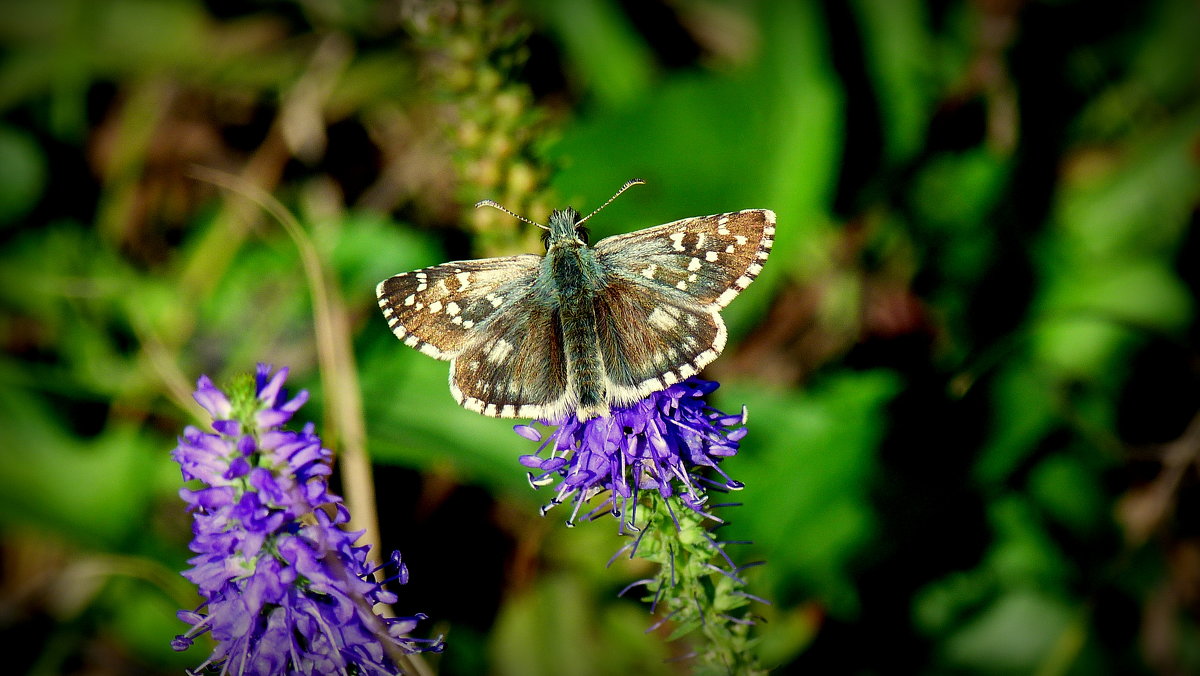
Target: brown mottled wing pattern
[(650, 339), (516, 368), (710, 259), (437, 310), (658, 318)]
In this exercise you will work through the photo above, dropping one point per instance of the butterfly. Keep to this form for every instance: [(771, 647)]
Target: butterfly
[(582, 329)]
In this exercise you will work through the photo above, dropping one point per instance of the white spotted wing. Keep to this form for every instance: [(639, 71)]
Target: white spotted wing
[(439, 310), (669, 283), (494, 324)]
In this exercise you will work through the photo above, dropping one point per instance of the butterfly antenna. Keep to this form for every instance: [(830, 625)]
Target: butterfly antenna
[(490, 203), (628, 184)]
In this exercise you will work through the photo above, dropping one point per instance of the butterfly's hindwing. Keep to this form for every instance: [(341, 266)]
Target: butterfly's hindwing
[(709, 258), (437, 310), (515, 367), (650, 339)]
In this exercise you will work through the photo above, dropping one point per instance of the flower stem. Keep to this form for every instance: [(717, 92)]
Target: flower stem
[(697, 587)]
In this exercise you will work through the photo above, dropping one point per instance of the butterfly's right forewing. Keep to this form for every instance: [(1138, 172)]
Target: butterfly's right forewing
[(710, 259), (439, 310)]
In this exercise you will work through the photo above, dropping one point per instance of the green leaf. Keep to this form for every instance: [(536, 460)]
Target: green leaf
[(1068, 487), (1024, 409), (1022, 551), (807, 465), (610, 59), (22, 173), (1143, 207), (96, 491), (552, 628), (1012, 636), (765, 136), (363, 248), (900, 55), (146, 621), (414, 421)]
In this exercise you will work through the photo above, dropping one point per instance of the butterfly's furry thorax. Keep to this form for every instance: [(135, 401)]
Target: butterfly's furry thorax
[(570, 264)]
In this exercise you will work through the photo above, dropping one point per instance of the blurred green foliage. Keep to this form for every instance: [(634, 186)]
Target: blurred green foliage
[(971, 363)]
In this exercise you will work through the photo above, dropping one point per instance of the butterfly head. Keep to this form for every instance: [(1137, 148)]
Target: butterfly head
[(565, 228)]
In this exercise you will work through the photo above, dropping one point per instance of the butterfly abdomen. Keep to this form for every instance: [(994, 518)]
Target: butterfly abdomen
[(576, 274)]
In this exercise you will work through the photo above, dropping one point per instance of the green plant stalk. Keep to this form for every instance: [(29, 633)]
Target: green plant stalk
[(347, 430), (693, 591)]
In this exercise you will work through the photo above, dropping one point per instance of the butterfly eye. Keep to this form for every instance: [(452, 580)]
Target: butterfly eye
[(583, 234), (546, 239)]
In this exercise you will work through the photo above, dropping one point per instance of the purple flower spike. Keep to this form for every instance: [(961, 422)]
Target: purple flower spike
[(285, 590), (659, 443)]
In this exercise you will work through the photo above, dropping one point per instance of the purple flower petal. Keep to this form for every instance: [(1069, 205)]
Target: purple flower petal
[(213, 400), (237, 468), (529, 432), (227, 428), (271, 418), (657, 443), (282, 581)]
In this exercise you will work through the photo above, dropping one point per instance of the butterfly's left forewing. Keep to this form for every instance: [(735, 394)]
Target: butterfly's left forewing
[(439, 309)]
